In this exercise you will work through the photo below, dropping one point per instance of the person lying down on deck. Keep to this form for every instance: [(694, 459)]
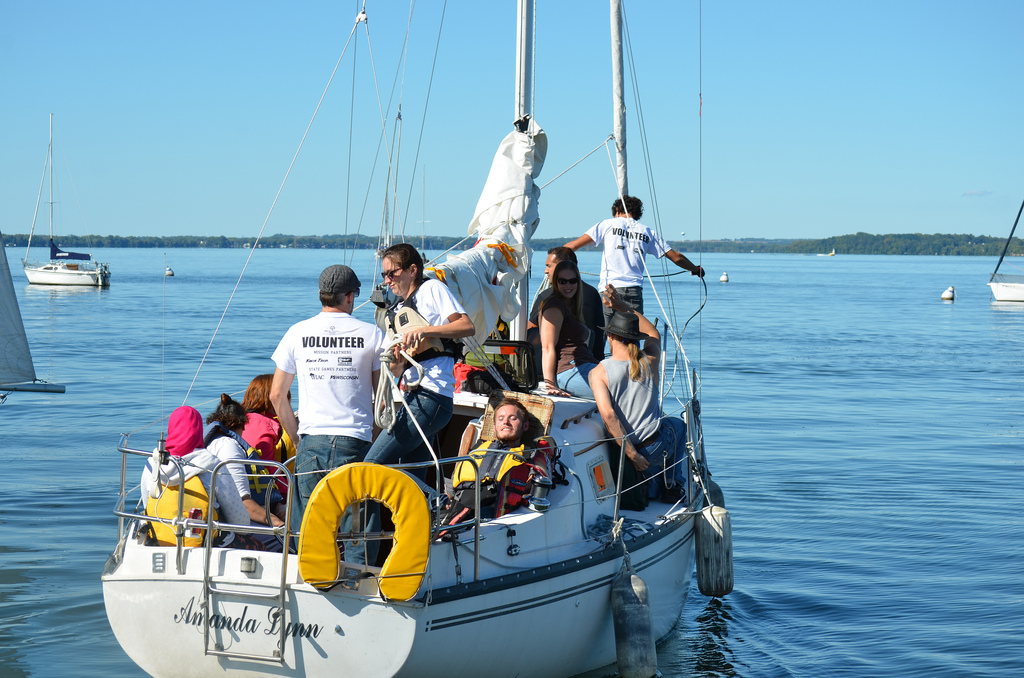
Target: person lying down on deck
[(506, 480)]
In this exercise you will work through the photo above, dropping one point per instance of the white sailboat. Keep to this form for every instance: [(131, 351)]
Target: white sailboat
[(447, 601), (1007, 286), (17, 373), (63, 268)]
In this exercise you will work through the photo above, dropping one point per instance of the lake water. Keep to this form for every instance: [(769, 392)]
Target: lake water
[(867, 435)]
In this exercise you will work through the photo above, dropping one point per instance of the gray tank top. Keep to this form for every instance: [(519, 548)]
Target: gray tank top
[(636, 402)]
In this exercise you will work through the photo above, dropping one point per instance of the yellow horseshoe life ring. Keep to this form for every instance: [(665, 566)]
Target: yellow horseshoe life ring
[(403, 572)]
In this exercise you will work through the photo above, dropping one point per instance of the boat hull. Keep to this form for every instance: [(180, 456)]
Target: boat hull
[(58, 274), (1003, 291), (561, 614)]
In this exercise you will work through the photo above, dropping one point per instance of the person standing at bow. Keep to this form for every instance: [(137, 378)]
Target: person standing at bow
[(626, 244), (431, 400)]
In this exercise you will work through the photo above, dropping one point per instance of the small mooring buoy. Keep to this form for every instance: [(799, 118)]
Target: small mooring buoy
[(949, 294), (635, 653), (168, 272), (725, 277), (714, 551)]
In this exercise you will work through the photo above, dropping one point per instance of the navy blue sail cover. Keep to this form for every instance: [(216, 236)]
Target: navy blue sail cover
[(57, 253)]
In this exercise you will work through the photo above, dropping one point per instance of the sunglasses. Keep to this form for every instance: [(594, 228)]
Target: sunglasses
[(568, 281), (388, 275)]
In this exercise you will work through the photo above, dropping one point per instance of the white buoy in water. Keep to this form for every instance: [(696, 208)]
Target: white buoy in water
[(168, 272), (949, 294), (725, 277), (714, 551), (635, 653)]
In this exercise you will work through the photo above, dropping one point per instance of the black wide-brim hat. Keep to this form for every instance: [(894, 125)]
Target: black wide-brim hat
[(625, 325)]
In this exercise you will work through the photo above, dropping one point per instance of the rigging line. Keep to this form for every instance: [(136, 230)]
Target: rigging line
[(376, 87), (644, 143), (471, 235), (348, 164), (1007, 245), (39, 198), (426, 104), (596, 149), (270, 212), (700, 171), (389, 150), (668, 326), (397, 135)]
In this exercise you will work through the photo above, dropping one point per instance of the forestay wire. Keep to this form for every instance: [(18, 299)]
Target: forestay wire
[(280, 189)]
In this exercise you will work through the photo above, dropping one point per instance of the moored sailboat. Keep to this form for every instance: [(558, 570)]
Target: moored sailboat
[(448, 595), (63, 268)]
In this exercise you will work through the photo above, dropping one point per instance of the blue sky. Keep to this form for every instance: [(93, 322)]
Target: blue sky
[(818, 118)]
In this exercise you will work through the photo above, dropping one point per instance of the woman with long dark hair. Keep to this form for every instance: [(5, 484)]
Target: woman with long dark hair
[(223, 438), (566, 360)]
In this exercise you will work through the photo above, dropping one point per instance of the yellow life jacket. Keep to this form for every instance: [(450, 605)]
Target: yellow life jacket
[(510, 485), (166, 506), (465, 472)]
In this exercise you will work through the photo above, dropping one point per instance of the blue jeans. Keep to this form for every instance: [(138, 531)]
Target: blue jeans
[(316, 456), (403, 444), (576, 380), (633, 296), (665, 451)]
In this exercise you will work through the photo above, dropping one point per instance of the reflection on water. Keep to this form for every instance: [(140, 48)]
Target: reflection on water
[(710, 641), (57, 292), (14, 582)]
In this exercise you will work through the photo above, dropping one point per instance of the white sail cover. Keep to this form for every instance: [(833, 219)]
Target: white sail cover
[(15, 359), (505, 219)]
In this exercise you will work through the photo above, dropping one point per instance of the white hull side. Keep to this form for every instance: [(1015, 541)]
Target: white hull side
[(63, 276), (1007, 291), (552, 626)]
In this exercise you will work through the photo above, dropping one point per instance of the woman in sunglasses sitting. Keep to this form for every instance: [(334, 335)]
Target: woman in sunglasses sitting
[(566, 359)]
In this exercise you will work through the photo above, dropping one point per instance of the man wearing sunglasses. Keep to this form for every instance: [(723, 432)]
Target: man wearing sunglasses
[(626, 244)]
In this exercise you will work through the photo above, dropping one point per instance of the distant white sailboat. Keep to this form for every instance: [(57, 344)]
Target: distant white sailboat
[(16, 370), (64, 268), (1005, 286)]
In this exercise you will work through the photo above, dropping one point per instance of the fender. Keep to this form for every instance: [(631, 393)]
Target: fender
[(403, 571)]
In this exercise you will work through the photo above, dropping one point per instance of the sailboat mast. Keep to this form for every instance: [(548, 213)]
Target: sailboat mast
[(523, 107), (49, 161), (524, 60), (618, 102)]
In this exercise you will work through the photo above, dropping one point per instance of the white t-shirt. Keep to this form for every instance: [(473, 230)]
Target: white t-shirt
[(626, 242), (435, 303), (334, 356)]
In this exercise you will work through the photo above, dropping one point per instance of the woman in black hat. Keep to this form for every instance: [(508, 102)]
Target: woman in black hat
[(625, 387)]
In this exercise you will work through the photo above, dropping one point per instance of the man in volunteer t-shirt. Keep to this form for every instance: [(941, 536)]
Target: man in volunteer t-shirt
[(626, 243), (337, 361)]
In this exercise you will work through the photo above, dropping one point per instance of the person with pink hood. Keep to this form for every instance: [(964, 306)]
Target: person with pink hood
[(185, 441)]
